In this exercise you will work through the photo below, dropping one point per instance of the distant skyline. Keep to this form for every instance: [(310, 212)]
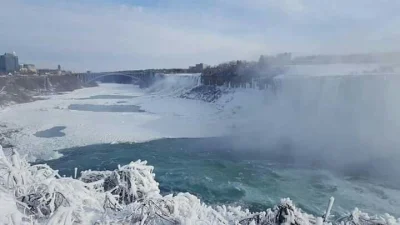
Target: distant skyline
[(101, 35)]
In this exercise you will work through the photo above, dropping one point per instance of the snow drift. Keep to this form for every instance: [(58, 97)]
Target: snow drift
[(36, 194)]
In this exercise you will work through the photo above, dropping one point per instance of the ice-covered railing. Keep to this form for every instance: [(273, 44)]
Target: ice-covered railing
[(129, 195)]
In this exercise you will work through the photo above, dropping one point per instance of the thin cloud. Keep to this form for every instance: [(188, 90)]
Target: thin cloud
[(107, 36), (124, 33)]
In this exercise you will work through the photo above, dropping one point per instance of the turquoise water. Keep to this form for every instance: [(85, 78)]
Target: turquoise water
[(217, 174)]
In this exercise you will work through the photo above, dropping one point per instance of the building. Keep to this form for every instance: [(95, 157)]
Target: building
[(9, 63), (59, 70), (198, 68), (28, 68), (276, 60), (47, 71)]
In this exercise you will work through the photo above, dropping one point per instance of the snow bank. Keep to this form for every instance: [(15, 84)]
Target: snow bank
[(128, 195)]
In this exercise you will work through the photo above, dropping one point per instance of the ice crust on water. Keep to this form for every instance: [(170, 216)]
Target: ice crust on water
[(36, 194), (165, 116)]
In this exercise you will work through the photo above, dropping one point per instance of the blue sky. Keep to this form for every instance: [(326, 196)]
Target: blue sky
[(131, 34)]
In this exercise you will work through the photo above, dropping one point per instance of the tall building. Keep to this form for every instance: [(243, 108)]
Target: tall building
[(198, 68), (9, 63), (58, 70)]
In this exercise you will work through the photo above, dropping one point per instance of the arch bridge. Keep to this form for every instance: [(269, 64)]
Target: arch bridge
[(141, 78)]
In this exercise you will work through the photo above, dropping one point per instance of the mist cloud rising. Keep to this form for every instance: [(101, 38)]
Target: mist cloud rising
[(102, 35), (349, 124)]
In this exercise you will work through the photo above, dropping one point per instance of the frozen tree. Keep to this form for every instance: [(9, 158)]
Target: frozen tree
[(36, 194)]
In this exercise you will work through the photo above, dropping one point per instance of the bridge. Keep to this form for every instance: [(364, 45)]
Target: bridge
[(139, 77)]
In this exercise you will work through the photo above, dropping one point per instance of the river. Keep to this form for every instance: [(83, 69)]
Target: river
[(310, 140)]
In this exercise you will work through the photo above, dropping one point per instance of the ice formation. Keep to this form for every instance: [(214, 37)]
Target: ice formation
[(37, 194)]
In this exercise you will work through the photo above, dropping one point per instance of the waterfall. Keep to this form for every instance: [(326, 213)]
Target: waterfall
[(174, 84)]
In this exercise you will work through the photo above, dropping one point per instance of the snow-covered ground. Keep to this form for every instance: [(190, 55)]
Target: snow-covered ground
[(164, 116)]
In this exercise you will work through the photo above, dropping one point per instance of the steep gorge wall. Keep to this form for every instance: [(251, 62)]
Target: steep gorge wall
[(21, 89)]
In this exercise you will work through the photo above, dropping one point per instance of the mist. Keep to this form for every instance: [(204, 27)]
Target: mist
[(348, 124)]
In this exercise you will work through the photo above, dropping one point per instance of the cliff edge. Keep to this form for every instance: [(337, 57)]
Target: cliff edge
[(21, 89)]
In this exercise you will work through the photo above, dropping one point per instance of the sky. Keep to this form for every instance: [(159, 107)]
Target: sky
[(105, 35)]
